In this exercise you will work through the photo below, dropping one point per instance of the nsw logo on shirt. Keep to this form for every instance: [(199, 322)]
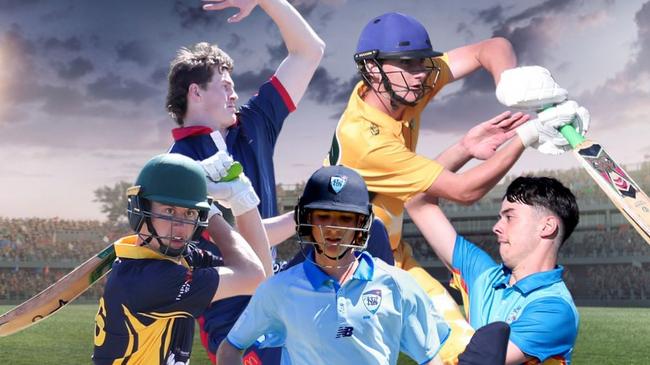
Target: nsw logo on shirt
[(513, 315), (372, 300)]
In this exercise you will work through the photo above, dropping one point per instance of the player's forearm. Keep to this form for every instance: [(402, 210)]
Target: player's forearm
[(434, 226), (496, 55), (250, 227), (237, 253), (280, 228), (228, 355), (454, 157), (299, 38), (482, 178), (472, 185)]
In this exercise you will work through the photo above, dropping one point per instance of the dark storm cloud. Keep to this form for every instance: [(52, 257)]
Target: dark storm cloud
[(531, 32), (137, 52), (277, 53), (491, 15), (71, 44), (459, 112), (74, 69), (234, 42), (62, 100), (191, 15), (626, 89), (112, 87), (326, 89), (642, 19), (9, 5), (14, 41), (249, 82), (159, 75)]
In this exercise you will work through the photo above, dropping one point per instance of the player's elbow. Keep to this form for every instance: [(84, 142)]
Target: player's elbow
[(255, 275), (315, 51), (464, 193)]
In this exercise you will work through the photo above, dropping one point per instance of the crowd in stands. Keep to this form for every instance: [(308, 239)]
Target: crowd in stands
[(603, 264), (609, 282), (54, 240), (23, 283)]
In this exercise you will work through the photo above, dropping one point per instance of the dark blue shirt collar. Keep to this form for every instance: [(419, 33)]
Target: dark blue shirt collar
[(531, 282), (317, 277)]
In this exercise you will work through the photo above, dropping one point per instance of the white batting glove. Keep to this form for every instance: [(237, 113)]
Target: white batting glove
[(543, 134), (238, 194), (216, 166), (529, 87)]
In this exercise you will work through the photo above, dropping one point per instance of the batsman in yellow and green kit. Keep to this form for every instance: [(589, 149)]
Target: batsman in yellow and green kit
[(378, 133)]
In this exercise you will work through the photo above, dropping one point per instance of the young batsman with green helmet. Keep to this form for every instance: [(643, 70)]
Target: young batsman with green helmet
[(378, 132), (160, 281)]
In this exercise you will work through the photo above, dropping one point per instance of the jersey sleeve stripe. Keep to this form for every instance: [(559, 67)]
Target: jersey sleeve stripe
[(283, 93)]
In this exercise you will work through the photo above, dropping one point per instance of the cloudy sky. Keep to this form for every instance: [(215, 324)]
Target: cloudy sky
[(82, 83)]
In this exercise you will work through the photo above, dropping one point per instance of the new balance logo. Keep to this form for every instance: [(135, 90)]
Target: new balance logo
[(344, 332)]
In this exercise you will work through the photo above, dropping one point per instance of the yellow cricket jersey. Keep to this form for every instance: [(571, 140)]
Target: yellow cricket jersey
[(382, 150)]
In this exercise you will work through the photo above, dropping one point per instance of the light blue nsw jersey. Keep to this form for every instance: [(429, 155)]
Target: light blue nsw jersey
[(373, 316)]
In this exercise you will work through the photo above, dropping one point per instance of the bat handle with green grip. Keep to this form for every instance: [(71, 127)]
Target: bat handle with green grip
[(569, 132), (233, 172)]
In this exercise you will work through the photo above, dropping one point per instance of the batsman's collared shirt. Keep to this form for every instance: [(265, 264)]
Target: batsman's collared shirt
[(251, 141), (539, 308), (369, 319), (382, 150), (146, 315)]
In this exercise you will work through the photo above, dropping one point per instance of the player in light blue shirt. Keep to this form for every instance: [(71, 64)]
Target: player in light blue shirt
[(340, 306), (537, 215)]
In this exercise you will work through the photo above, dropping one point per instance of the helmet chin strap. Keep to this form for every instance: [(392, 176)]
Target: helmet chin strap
[(320, 251), (162, 248), (395, 100)]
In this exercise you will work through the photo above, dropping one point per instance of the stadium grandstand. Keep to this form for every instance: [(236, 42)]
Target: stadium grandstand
[(607, 262)]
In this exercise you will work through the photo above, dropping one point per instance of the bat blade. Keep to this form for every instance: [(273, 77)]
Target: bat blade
[(57, 295), (619, 187)]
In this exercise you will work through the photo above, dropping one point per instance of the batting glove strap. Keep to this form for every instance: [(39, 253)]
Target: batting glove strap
[(237, 195), (243, 202), (529, 87), (542, 133), (528, 133)]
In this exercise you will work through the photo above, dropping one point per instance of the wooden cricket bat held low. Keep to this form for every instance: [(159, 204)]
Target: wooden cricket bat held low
[(626, 195), (67, 289)]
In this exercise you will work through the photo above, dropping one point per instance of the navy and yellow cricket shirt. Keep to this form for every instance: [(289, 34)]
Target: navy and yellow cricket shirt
[(146, 315)]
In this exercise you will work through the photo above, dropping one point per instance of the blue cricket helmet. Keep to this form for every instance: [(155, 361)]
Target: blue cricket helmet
[(394, 36), (336, 188)]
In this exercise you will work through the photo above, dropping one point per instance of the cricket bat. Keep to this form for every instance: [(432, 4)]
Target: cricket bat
[(626, 195), (69, 287), (57, 295)]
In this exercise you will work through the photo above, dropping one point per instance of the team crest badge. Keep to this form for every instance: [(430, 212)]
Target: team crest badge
[(338, 182), (513, 315), (371, 300)]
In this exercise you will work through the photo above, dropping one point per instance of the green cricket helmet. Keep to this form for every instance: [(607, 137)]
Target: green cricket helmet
[(170, 179)]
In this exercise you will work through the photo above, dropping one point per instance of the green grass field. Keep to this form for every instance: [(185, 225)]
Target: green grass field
[(607, 336)]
